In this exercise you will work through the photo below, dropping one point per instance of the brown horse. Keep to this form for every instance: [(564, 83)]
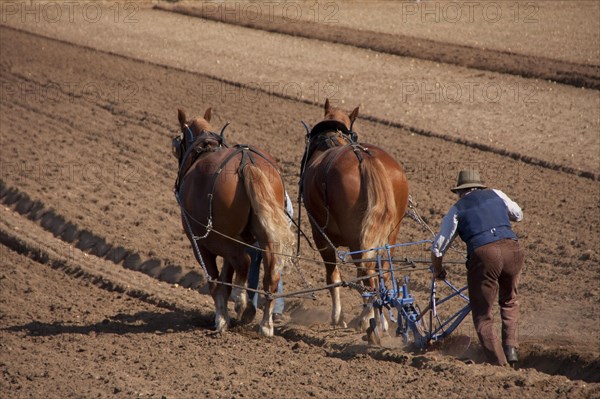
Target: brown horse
[(356, 196), (231, 198)]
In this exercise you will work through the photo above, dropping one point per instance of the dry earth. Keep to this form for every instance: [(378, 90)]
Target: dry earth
[(528, 118), (564, 30), (95, 271)]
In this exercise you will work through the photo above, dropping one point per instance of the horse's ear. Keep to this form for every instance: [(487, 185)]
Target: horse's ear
[(353, 114), (207, 114), (181, 117), (327, 106)]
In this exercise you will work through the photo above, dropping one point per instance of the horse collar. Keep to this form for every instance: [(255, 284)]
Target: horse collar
[(328, 125)]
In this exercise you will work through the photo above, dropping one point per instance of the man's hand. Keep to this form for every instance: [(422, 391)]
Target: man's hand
[(439, 272)]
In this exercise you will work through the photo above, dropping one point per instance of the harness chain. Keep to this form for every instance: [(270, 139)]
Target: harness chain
[(414, 215), (194, 238)]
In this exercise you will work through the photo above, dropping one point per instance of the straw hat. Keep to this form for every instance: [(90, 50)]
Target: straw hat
[(468, 179)]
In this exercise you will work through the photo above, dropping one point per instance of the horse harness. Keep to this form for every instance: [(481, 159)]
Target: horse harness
[(194, 152), (319, 132)]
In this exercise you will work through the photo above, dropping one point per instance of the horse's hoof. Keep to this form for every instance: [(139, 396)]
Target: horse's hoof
[(373, 335), (221, 326), (266, 331), (248, 315), (339, 324), (240, 308)]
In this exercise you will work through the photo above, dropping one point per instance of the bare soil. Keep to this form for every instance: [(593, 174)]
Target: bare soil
[(378, 31), (560, 30), (99, 292), (533, 120)]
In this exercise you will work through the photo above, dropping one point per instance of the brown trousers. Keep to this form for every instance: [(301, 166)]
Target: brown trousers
[(493, 271)]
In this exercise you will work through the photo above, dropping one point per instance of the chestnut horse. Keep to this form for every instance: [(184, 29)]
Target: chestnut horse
[(230, 198), (356, 196)]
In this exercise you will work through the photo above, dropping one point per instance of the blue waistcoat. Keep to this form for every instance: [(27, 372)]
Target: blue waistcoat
[(482, 219)]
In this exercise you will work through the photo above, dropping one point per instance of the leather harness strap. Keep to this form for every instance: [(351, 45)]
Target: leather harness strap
[(194, 157), (248, 156)]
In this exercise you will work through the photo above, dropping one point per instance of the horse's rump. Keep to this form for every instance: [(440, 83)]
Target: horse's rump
[(241, 191), (355, 187)]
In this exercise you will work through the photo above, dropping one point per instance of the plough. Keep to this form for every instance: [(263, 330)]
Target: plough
[(412, 324)]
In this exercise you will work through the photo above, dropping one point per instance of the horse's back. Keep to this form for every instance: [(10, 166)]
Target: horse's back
[(213, 189), (336, 192), (339, 171)]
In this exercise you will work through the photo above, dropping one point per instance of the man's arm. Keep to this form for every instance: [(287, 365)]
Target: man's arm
[(443, 240), (514, 210)]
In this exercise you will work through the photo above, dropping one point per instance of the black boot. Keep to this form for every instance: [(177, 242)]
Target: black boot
[(511, 355)]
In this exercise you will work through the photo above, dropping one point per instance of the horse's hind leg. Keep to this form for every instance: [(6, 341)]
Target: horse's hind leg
[(332, 277), (368, 312), (244, 309), (220, 296), (270, 283), (218, 292)]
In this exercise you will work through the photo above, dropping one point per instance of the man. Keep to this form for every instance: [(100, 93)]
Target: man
[(494, 260)]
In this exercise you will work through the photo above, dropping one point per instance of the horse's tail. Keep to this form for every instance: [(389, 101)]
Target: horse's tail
[(380, 218), (269, 211)]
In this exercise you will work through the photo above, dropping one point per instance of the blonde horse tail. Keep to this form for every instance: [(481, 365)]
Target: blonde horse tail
[(380, 218), (269, 212)]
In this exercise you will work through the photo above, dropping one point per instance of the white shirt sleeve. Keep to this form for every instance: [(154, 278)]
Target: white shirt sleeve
[(514, 210), (447, 234)]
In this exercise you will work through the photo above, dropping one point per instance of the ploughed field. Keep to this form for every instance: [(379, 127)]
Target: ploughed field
[(99, 293)]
